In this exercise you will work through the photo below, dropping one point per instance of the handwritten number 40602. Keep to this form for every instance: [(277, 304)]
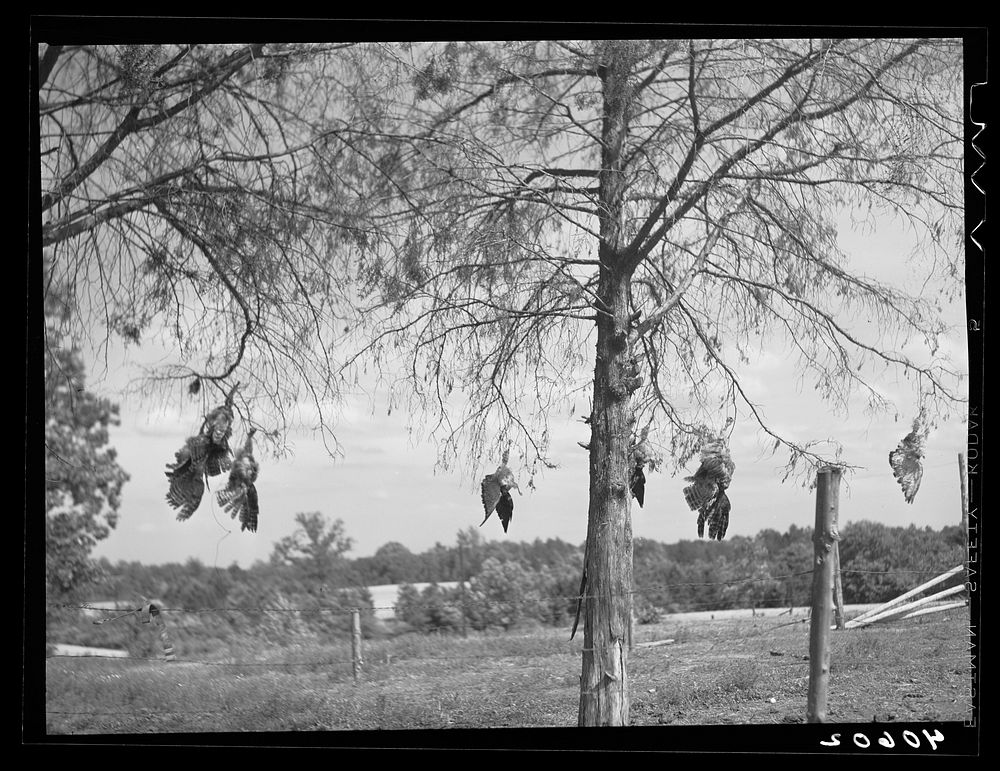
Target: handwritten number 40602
[(886, 740)]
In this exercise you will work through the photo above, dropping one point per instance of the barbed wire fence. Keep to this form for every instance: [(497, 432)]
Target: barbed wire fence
[(346, 659), (823, 603)]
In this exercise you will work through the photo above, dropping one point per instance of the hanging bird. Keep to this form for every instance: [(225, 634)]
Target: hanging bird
[(505, 509), (205, 454), (496, 489), (906, 459), (716, 513), (707, 492), (642, 454), (637, 482), (239, 496), (219, 422), (186, 475)]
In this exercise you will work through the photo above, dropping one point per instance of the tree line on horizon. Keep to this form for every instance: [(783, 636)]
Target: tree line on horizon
[(508, 583)]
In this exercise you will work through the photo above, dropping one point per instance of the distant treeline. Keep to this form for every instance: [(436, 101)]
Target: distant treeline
[(507, 583), (771, 568)]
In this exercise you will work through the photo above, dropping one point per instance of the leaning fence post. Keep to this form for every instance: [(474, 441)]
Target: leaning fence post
[(356, 658), (963, 481), (824, 537)]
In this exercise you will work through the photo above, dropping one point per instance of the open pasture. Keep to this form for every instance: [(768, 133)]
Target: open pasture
[(747, 670)]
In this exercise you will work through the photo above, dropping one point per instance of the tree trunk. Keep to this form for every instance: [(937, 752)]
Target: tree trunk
[(604, 693), (604, 689)]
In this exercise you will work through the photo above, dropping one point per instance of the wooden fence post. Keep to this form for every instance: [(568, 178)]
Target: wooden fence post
[(963, 479), (825, 535), (356, 657), (838, 588), (461, 585)]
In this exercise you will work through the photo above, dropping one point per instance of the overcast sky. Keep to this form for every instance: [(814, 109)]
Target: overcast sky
[(384, 487)]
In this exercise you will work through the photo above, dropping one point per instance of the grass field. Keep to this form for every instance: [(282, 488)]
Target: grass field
[(716, 671)]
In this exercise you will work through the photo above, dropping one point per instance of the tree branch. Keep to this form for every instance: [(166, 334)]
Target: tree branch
[(131, 124), (659, 313), (48, 61), (217, 267)]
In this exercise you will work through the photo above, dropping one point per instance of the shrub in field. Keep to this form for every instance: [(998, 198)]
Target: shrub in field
[(504, 594), (645, 611), (349, 598), (409, 607), (443, 607), (558, 587), (434, 609), (880, 562), (275, 619)]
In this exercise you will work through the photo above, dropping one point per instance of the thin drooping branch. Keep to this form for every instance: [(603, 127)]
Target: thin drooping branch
[(796, 449), (207, 251), (831, 323), (676, 293)]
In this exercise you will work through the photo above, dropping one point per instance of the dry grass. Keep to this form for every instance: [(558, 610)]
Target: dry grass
[(748, 671)]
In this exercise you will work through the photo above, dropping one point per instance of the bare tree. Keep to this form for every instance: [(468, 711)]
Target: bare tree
[(511, 226), (175, 210), (652, 210)]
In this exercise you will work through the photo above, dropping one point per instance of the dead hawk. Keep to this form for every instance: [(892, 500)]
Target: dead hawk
[(206, 454), (496, 489), (239, 496), (906, 459), (707, 492)]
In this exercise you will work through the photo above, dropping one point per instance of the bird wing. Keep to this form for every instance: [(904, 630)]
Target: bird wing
[(505, 509), (638, 484), (250, 511), (229, 495), (700, 492), (186, 490), (185, 475), (906, 459), (491, 492), (207, 456), (217, 458), (241, 501), (717, 464), (907, 469), (718, 517), (713, 475)]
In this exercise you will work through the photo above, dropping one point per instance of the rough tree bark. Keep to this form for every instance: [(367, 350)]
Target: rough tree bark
[(604, 692)]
